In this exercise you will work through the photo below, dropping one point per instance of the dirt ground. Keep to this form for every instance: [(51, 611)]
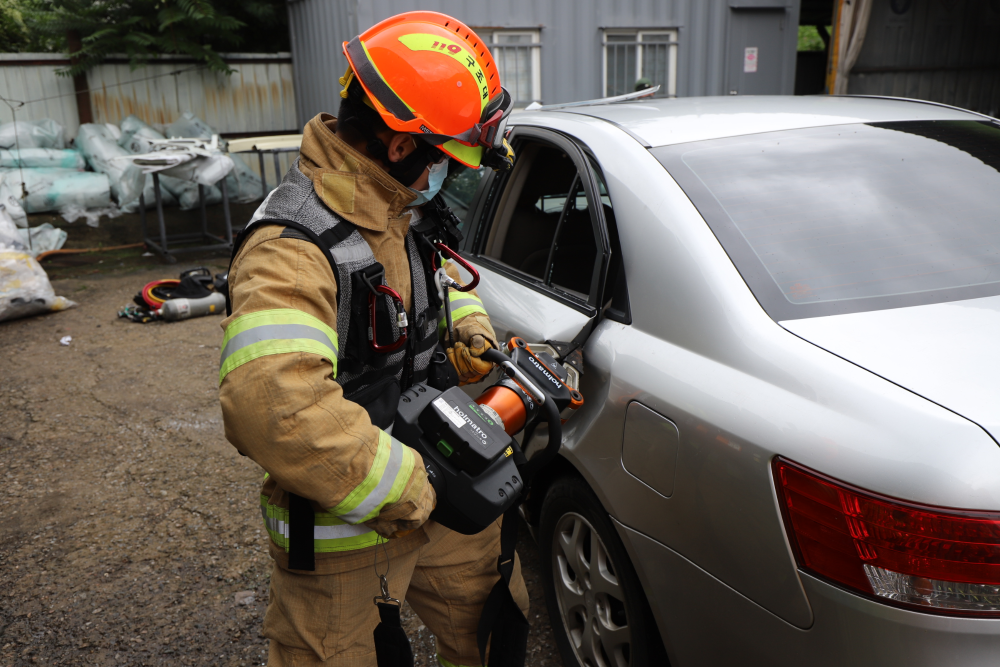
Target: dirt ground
[(129, 528)]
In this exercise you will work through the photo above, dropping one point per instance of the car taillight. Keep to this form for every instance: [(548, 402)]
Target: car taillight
[(942, 560)]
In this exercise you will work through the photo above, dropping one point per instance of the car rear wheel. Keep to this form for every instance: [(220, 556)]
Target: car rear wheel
[(600, 616)]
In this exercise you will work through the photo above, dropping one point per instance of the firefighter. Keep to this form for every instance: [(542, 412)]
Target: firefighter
[(334, 311)]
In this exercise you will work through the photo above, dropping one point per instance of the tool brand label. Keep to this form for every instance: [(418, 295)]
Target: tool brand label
[(548, 375), (459, 418)]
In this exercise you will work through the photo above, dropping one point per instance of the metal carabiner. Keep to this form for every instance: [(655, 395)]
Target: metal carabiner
[(401, 321), (451, 254)]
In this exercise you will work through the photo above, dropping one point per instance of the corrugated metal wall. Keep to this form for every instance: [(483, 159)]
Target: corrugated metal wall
[(940, 50), (571, 37), (259, 97), (31, 78)]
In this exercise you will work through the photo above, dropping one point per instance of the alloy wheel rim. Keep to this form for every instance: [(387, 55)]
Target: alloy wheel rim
[(590, 595)]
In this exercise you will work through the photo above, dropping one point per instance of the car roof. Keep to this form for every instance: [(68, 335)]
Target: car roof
[(661, 122)]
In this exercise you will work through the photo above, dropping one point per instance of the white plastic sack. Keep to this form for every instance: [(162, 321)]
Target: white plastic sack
[(25, 288), (10, 236), (243, 184), (91, 215), (189, 126), (98, 146), (52, 189), (43, 238), (138, 137), (43, 157), (44, 133), (13, 208)]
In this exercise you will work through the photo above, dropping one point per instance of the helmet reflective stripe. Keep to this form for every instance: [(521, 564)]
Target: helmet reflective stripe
[(384, 483), (329, 532), (470, 156), (427, 42), (276, 331), (373, 80)]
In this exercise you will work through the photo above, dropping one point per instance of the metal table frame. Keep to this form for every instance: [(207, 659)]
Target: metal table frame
[(165, 240), (277, 166)]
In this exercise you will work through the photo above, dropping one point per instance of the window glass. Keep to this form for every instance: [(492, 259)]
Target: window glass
[(460, 186), (571, 266), (637, 55), (853, 217), (517, 56), (530, 207)]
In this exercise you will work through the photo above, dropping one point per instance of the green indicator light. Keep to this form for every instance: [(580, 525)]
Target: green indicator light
[(445, 448)]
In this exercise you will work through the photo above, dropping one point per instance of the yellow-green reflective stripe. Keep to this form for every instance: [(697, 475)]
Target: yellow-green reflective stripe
[(330, 533), (471, 156), (275, 331), (384, 483), (455, 295), (267, 347), (459, 313), (445, 663), (276, 316)]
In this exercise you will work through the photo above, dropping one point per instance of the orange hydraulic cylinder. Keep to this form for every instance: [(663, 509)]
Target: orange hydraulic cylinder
[(508, 405)]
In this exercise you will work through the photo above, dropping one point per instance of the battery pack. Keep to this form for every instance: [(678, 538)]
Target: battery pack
[(463, 432)]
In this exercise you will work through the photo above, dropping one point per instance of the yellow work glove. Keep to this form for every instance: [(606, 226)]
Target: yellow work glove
[(465, 359)]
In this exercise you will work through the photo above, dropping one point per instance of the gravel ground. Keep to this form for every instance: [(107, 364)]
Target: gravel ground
[(129, 528)]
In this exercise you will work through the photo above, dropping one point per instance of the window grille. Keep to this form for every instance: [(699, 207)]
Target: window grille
[(630, 55), (518, 57)]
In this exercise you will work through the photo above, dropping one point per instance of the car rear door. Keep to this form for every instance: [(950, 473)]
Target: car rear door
[(539, 238)]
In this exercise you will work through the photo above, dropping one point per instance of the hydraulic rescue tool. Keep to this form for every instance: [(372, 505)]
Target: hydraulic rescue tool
[(476, 466)]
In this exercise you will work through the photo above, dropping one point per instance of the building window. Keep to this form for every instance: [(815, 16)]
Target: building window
[(518, 58), (630, 55)]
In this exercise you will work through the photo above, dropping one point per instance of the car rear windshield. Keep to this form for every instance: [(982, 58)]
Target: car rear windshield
[(851, 218)]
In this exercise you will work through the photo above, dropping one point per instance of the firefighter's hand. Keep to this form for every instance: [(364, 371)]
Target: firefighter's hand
[(465, 359)]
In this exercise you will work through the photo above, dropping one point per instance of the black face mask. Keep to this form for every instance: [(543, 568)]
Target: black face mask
[(409, 169)]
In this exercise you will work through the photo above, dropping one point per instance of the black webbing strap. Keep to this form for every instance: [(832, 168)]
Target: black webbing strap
[(392, 648), (502, 623), (301, 554)]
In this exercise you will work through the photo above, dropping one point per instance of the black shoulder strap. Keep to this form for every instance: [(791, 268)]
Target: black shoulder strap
[(502, 623), (325, 241)]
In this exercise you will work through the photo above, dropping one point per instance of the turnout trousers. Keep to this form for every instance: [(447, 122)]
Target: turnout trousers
[(327, 617)]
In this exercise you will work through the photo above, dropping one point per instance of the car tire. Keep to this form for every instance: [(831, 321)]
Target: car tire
[(600, 615)]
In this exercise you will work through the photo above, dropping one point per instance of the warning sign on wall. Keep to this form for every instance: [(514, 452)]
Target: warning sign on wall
[(750, 59)]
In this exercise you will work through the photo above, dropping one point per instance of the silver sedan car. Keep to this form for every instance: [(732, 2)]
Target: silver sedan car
[(790, 316)]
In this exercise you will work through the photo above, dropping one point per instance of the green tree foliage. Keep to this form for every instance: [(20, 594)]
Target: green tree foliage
[(141, 29), (13, 32), (810, 40)]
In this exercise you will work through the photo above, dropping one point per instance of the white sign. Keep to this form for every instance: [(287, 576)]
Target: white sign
[(750, 59)]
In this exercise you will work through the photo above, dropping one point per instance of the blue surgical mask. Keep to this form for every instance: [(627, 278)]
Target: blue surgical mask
[(435, 180)]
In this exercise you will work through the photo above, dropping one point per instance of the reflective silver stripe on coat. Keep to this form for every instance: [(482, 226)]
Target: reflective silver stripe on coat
[(276, 525), (378, 495), (353, 253), (276, 332)]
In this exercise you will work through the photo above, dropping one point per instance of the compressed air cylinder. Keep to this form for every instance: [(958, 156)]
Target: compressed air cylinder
[(182, 309)]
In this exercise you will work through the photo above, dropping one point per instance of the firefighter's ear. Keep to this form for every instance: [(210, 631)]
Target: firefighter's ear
[(400, 145)]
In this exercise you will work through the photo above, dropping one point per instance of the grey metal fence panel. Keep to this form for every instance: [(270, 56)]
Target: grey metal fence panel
[(258, 97)]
